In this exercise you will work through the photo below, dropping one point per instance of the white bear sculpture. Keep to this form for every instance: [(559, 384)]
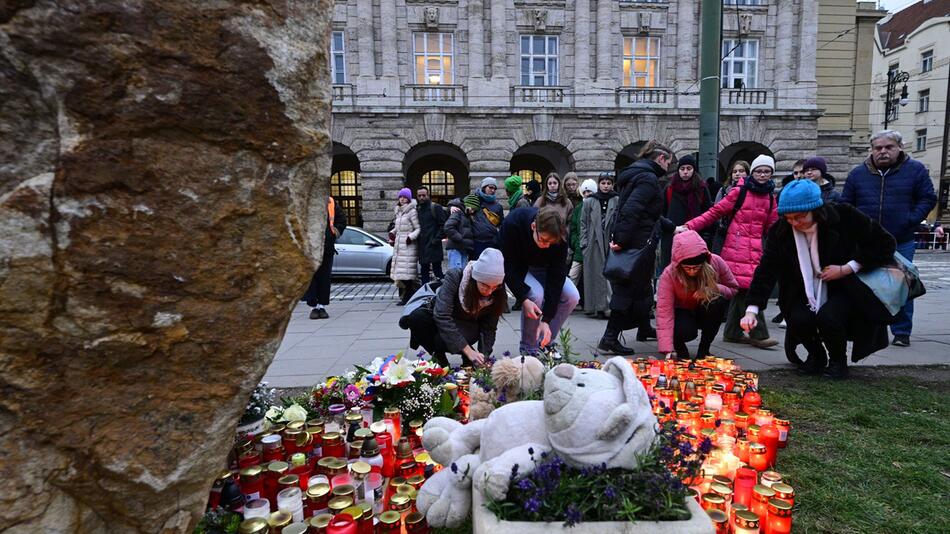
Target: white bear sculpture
[(587, 417)]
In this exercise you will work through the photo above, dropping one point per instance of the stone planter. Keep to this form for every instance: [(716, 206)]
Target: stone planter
[(485, 522)]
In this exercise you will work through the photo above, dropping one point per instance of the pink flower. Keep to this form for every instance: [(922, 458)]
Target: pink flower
[(352, 393)]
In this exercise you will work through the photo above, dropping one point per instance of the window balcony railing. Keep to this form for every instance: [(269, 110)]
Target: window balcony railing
[(748, 98), (342, 94), (644, 97), (433, 95), (540, 95)]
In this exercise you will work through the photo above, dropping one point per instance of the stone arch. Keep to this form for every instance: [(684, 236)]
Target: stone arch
[(744, 150), (440, 166), (542, 157), (627, 155), (346, 183)]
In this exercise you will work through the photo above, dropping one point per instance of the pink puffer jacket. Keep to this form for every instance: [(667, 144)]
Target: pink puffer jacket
[(671, 295), (742, 249)]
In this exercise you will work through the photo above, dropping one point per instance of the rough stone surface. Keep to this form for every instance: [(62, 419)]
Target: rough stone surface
[(162, 168)]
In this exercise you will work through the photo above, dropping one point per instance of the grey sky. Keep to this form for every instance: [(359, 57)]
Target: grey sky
[(894, 5)]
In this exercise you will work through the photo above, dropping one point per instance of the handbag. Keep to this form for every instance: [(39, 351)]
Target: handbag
[(633, 264), (424, 296), (894, 284)]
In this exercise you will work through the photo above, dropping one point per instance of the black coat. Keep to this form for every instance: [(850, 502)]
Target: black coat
[(339, 222), (458, 229), (639, 208), (459, 328), (431, 220), (847, 235)]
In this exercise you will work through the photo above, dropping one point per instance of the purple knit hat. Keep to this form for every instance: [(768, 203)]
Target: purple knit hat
[(405, 192), (816, 162)]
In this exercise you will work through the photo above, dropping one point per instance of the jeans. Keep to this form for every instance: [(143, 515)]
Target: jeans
[(436, 270), (905, 319), (529, 327), (457, 258)]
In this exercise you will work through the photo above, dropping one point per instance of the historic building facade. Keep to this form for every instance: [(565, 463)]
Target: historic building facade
[(445, 92)]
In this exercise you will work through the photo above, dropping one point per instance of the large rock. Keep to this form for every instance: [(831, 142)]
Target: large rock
[(163, 175)]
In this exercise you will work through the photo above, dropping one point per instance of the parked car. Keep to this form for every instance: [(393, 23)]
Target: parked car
[(360, 253)]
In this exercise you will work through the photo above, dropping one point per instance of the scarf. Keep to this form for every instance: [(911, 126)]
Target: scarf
[(482, 302), (754, 186), (552, 197), (693, 194), (485, 196), (514, 198), (806, 244)]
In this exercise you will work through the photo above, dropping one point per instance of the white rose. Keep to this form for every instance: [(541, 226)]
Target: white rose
[(272, 413), (295, 412)]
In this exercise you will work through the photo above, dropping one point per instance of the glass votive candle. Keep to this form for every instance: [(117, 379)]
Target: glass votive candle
[(343, 479), (745, 522), (768, 478), (779, 517), (318, 498), (753, 433), (713, 402), (711, 501), (784, 426), (341, 524), (758, 457), (291, 500), (742, 449), (743, 485), (374, 491), (768, 436), (720, 521), (257, 508), (393, 420), (723, 491), (742, 422), (736, 507), (338, 504), (784, 491), (760, 501), (763, 417)]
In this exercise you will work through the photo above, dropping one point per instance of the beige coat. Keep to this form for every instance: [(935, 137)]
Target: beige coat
[(405, 264)]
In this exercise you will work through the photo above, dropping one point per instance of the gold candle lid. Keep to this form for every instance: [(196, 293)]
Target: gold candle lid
[(746, 519), (389, 518), (783, 491), (252, 471), (280, 519), (721, 489), (713, 498), (278, 467), (400, 502), (397, 481), (780, 507), (718, 516), (391, 411), (367, 509), (340, 503), (354, 511), (353, 417), (416, 480), (363, 434), (255, 525), (414, 518), (321, 520), (295, 528), (360, 468), (404, 489), (764, 492), (318, 490), (344, 490)]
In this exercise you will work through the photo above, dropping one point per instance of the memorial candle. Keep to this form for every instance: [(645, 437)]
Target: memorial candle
[(742, 487), (342, 524), (758, 457), (784, 492), (779, 517), (768, 436), (745, 522), (760, 501), (783, 426)]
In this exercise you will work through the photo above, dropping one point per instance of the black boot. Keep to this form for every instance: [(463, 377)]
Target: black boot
[(645, 331), (837, 369), (610, 344), (817, 358)]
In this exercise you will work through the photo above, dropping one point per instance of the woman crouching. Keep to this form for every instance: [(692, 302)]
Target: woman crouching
[(692, 296), (813, 252)]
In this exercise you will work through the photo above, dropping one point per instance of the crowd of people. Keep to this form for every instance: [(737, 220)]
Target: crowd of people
[(721, 248)]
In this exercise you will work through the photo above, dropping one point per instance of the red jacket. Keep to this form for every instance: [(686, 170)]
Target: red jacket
[(670, 295), (742, 248)]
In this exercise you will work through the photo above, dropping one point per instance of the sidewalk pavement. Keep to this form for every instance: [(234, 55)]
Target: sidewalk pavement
[(360, 329)]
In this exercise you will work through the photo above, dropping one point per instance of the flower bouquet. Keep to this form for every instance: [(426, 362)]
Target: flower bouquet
[(416, 387)]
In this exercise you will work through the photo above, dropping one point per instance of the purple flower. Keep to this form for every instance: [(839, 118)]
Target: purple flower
[(525, 484), (455, 468), (705, 446), (573, 515), (532, 505), (507, 354), (610, 492)]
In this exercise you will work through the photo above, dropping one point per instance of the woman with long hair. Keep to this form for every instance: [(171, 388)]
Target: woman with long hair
[(692, 296), (639, 207), (685, 197), (554, 196)]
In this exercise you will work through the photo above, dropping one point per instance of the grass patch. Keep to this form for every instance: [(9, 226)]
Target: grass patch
[(867, 455), (870, 454)]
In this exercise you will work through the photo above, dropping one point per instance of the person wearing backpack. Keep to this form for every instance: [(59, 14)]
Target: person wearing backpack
[(750, 206)]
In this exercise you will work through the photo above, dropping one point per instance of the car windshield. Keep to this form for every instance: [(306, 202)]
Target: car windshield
[(353, 237)]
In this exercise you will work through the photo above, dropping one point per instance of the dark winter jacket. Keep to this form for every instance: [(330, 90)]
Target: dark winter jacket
[(847, 235), (458, 229), (516, 242), (431, 221), (484, 230), (898, 198), (639, 208), (457, 327), (339, 222), (828, 191)]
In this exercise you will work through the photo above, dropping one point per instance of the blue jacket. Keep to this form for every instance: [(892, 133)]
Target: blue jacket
[(898, 198)]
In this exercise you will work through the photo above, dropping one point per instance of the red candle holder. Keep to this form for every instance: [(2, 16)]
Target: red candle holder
[(768, 436), (758, 457), (760, 500), (743, 485), (779, 517), (784, 426)]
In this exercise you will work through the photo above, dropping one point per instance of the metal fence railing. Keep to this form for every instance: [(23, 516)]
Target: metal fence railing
[(930, 241)]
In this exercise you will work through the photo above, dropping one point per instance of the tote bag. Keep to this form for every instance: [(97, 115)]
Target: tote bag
[(894, 284), (632, 264)]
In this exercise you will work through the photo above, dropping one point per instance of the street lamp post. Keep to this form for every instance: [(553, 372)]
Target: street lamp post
[(894, 77)]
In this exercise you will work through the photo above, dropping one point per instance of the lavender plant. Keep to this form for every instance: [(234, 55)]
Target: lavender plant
[(654, 491)]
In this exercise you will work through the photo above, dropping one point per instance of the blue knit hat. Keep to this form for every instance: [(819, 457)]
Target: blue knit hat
[(800, 195)]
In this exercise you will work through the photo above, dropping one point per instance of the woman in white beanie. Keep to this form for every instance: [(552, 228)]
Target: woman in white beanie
[(750, 211), (577, 255), (465, 311)]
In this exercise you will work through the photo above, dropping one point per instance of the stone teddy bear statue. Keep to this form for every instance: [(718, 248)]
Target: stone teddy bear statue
[(511, 377), (587, 417)]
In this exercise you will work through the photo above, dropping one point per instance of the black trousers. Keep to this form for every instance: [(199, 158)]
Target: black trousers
[(423, 332), (319, 290), (436, 270), (829, 326), (704, 322)]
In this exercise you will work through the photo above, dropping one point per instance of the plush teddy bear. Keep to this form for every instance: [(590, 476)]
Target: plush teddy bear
[(511, 377), (587, 417)]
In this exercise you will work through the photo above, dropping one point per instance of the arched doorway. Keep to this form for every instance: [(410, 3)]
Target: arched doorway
[(535, 160), (346, 186), (628, 155), (441, 167), (743, 150)]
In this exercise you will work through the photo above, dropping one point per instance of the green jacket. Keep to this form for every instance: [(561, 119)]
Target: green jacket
[(576, 233)]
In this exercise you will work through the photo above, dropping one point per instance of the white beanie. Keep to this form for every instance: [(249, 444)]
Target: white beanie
[(763, 161), (589, 185), (486, 182), (489, 268)]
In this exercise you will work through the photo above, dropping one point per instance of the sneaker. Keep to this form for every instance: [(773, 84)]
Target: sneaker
[(783, 324), (901, 340), (315, 314), (322, 313), (614, 347), (763, 343)]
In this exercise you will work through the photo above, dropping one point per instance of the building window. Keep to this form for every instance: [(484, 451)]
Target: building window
[(347, 192), (441, 186), (641, 61), (433, 58), (921, 140), (527, 175), (927, 61), (337, 58), (538, 60), (742, 2), (740, 63), (923, 101)]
